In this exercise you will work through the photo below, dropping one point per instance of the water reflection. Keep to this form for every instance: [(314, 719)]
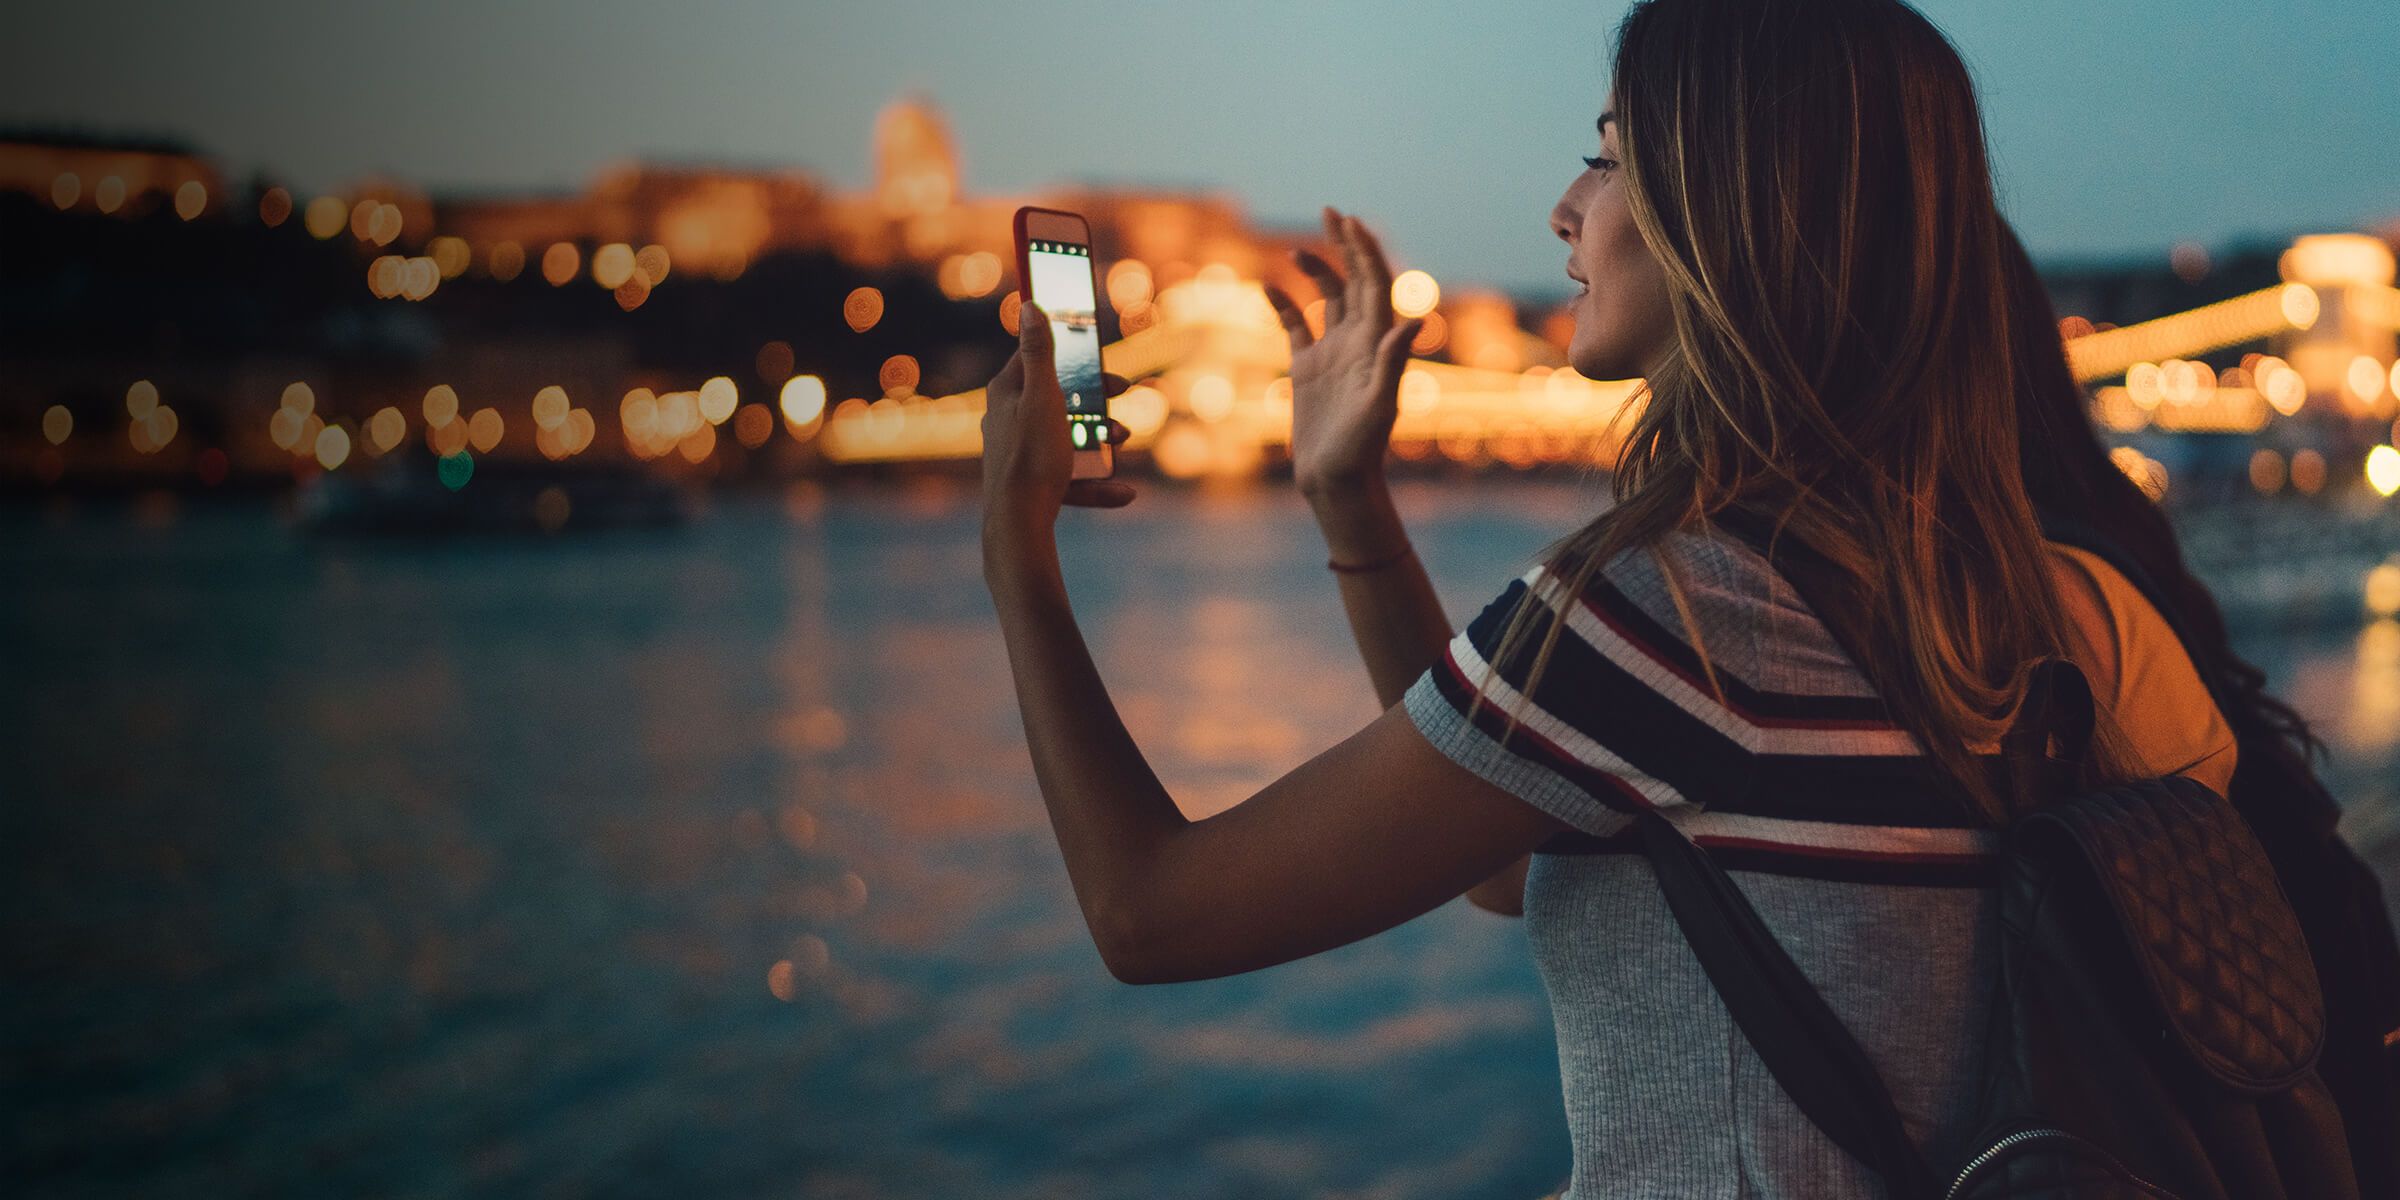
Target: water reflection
[(711, 862)]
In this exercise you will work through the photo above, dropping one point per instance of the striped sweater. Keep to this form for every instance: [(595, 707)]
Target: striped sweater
[(1802, 785)]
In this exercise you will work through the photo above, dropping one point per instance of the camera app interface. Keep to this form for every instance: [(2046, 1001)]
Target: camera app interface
[(1062, 285)]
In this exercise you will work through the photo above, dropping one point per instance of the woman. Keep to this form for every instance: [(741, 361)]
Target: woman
[(1789, 231)]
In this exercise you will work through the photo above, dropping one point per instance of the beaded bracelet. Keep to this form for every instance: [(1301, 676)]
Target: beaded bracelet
[(1378, 564)]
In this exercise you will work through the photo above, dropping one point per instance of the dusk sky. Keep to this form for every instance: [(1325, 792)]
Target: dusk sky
[(2118, 128)]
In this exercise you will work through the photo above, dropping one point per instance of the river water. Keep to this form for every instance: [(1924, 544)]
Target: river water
[(709, 862)]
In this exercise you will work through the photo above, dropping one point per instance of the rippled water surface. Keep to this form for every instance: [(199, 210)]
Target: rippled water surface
[(710, 862)]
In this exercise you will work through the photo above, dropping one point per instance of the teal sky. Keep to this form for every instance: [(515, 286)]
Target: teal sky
[(2119, 127)]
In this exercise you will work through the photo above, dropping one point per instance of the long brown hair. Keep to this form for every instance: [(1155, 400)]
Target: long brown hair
[(1812, 177)]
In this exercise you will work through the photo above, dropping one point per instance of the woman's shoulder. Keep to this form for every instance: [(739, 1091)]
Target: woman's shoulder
[(1701, 589), (2141, 672)]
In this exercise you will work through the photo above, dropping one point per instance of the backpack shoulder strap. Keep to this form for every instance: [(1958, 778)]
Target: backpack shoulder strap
[(1796, 1034)]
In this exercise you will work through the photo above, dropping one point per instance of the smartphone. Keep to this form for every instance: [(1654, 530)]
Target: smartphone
[(1054, 266)]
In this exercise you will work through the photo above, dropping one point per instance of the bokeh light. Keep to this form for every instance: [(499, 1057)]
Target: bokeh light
[(802, 399), (862, 308), (1414, 293), (560, 263)]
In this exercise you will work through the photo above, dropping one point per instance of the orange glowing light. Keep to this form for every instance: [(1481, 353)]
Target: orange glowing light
[(612, 265), (110, 195), (2267, 472), (653, 263), (325, 217), (1182, 451), (862, 308), (386, 430), (753, 424), (447, 438), (2365, 378), (274, 207), (66, 190), (1009, 304), (441, 404), (386, 275), (550, 407), (1211, 398), (383, 226), (560, 263), (697, 445), (1432, 336), (57, 424), (718, 398), (141, 399), (284, 428), (508, 259), (2308, 471), (2300, 305), (418, 277), (979, 273), (485, 429), (899, 374), (631, 293), (333, 447), (1130, 284), (2383, 470), (451, 255), (191, 199), (803, 399), (1414, 293)]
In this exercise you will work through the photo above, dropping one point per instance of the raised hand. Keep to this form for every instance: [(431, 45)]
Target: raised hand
[(1345, 383)]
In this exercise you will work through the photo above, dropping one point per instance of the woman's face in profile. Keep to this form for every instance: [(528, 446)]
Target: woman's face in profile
[(1623, 327)]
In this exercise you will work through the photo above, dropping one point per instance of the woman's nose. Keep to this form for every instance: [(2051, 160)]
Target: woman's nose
[(1564, 222)]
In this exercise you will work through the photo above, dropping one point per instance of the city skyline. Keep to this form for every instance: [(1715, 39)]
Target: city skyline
[(2112, 139)]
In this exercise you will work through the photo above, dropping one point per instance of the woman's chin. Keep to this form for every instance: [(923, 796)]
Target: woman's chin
[(1599, 362)]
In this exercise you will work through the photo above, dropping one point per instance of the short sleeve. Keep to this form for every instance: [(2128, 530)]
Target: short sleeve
[(2158, 697), (1619, 720)]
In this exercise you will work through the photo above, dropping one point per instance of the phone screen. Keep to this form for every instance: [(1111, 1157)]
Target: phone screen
[(1062, 285)]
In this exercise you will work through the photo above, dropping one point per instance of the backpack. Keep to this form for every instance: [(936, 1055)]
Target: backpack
[(2157, 1022), (2333, 892)]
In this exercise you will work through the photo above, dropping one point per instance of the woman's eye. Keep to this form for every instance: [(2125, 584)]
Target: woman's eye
[(1598, 164)]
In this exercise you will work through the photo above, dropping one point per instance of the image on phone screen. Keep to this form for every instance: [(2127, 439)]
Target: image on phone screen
[(1062, 285)]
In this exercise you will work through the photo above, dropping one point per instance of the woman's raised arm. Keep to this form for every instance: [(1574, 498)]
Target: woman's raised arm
[(1345, 399)]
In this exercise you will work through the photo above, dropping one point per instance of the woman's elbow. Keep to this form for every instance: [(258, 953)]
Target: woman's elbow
[(1129, 949)]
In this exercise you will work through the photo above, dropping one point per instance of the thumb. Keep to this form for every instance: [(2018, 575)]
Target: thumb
[(1391, 353), (1033, 341)]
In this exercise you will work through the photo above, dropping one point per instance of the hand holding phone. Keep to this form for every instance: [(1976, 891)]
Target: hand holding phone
[(1055, 269)]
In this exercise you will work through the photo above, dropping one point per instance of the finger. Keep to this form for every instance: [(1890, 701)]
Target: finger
[(1354, 268), (1035, 350), (1294, 321), (1099, 493), (1112, 384), (1391, 355), (1329, 281), (1375, 267), (1117, 431)]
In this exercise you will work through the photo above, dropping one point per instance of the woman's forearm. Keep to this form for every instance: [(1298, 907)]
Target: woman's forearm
[(1394, 613), (1107, 806), (1397, 620)]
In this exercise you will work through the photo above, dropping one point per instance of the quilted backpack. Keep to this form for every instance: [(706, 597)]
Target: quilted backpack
[(2157, 1020)]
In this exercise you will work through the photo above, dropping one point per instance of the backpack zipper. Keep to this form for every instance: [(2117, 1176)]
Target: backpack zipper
[(2024, 1135)]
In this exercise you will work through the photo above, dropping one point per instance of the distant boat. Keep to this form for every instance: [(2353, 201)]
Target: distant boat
[(411, 496)]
